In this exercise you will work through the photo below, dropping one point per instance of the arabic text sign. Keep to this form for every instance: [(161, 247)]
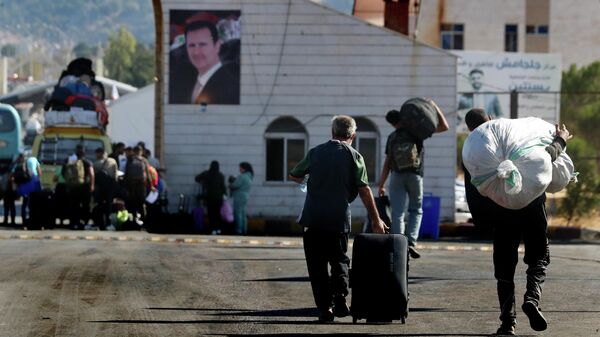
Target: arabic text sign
[(485, 80)]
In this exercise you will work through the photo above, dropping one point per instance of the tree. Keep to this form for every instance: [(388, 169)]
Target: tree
[(581, 113), (142, 70), (9, 50), (583, 196), (579, 107), (82, 49), (128, 61), (119, 56)]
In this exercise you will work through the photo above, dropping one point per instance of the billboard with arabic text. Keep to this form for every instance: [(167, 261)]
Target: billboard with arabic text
[(485, 80)]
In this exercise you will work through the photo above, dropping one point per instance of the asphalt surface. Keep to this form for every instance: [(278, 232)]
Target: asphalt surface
[(60, 283)]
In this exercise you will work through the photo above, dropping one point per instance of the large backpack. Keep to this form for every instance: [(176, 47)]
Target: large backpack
[(405, 152), (21, 173), (135, 169), (74, 173), (105, 184)]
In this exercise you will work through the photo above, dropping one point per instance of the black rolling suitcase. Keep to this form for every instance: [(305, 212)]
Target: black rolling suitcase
[(379, 278)]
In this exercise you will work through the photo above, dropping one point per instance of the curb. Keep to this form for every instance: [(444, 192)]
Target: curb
[(155, 239), (223, 241)]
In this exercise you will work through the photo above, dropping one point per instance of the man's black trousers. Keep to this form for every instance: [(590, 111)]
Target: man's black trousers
[(528, 224), (323, 249)]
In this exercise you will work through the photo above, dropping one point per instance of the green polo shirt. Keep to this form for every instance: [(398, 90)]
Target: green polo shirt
[(336, 172)]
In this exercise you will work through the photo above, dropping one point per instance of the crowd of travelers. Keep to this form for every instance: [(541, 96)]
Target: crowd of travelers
[(109, 191), (123, 190)]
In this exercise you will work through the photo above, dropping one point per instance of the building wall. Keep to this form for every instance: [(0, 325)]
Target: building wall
[(571, 24), (574, 31), (484, 21), (303, 60)]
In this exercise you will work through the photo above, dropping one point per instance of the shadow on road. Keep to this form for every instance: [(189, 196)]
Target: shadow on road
[(281, 279), (259, 259), (295, 312), (353, 334)]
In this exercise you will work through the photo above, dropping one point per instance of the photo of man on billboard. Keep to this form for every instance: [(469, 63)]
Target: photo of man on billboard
[(204, 58), (479, 99)]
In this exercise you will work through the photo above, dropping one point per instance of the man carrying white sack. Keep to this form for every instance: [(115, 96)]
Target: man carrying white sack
[(510, 225)]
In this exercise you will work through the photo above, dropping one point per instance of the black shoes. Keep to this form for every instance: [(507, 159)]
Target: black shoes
[(505, 329), (340, 308), (536, 319), (326, 316), (413, 252)]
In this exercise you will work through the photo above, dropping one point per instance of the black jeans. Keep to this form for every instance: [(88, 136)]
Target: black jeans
[(214, 213), (323, 249), (511, 226), (9, 208)]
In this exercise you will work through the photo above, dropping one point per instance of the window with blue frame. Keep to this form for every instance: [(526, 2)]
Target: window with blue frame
[(511, 38), (452, 35)]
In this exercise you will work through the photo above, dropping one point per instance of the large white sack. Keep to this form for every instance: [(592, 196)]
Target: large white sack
[(508, 162)]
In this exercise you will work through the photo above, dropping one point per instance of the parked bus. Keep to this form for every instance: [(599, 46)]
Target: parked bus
[(57, 143), (11, 136)]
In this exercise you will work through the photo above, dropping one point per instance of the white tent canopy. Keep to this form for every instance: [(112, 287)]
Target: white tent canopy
[(131, 118)]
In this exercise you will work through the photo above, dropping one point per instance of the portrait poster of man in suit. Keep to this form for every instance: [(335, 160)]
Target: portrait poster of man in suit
[(204, 57)]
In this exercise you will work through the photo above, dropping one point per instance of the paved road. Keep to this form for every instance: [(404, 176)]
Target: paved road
[(102, 285)]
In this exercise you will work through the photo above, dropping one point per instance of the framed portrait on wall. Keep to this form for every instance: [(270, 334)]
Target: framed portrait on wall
[(204, 57)]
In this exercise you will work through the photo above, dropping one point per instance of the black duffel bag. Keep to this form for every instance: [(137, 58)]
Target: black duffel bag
[(419, 116)]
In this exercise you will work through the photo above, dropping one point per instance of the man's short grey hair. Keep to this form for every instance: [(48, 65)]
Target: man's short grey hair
[(343, 126)]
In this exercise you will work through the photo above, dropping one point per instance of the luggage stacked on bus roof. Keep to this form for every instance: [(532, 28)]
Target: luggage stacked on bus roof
[(78, 98)]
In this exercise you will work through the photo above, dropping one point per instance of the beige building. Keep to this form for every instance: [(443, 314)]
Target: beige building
[(565, 27)]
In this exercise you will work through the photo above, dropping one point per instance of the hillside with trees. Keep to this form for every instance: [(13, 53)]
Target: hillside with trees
[(61, 21)]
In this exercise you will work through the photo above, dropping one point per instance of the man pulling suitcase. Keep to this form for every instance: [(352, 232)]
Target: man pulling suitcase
[(337, 174)]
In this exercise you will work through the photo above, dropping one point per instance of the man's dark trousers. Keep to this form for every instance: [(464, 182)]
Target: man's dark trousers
[(510, 227), (323, 248)]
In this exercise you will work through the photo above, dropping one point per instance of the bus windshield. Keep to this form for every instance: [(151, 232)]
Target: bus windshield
[(55, 151), (7, 121)]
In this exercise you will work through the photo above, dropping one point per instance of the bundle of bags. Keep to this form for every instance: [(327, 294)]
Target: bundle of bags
[(77, 87), (508, 162), (419, 116)]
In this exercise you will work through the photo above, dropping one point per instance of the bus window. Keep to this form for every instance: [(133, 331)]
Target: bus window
[(54, 151), (7, 121)]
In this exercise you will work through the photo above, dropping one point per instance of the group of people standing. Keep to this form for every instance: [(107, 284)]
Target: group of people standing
[(125, 176), (214, 194)]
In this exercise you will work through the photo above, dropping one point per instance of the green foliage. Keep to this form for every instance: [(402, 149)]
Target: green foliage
[(82, 49), (9, 50), (77, 20), (580, 110), (128, 61), (142, 70), (583, 196), (118, 57), (579, 103)]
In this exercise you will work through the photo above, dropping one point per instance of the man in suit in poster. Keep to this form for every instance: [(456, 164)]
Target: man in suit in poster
[(210, 81)]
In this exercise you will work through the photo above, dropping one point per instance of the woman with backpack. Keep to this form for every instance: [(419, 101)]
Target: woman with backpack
[(27, 174)]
